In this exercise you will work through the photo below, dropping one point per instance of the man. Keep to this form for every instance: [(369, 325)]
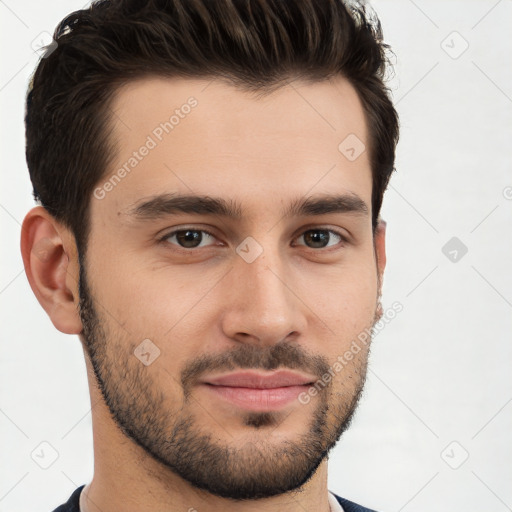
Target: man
[(210, 176)]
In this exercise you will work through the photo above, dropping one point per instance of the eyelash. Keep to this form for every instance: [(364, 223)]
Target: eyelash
[(164, 238)]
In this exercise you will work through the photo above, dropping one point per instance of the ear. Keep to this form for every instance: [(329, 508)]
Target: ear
[(379, 242), (50, 258)]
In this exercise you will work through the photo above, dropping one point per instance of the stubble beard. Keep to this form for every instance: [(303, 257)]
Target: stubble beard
[(171, 435)]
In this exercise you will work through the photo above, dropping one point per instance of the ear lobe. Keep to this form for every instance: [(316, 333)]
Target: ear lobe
[(51, 264)]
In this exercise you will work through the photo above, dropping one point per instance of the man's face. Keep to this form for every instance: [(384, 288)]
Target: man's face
[(190, 307)]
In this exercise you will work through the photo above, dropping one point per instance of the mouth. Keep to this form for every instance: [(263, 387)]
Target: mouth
[(258, 391)]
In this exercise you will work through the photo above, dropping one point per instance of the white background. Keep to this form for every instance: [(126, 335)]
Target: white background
[(439, 386)]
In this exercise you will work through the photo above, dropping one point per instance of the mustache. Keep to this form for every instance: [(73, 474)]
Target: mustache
[(281, 355)]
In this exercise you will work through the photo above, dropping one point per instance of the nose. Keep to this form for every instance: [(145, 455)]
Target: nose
[(262, 307)]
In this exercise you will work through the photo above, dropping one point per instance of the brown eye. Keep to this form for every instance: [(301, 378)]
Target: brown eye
[(189, 238), (320, 238)]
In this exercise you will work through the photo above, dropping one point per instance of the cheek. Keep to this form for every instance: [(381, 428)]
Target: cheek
[(172, 309), (344, 298), (139, 296)]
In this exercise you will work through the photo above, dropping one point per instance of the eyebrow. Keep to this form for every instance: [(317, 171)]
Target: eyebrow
[(163, 205)]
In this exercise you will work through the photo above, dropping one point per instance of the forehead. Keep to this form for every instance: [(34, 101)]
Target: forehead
[(208, 137)]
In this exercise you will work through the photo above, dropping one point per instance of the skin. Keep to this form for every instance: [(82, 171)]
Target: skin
[(264, 153)]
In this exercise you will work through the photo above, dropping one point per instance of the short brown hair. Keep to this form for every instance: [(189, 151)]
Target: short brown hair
[(256, 45)]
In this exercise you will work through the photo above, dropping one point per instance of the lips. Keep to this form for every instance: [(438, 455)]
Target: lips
[(279, 379), (257, 391)]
